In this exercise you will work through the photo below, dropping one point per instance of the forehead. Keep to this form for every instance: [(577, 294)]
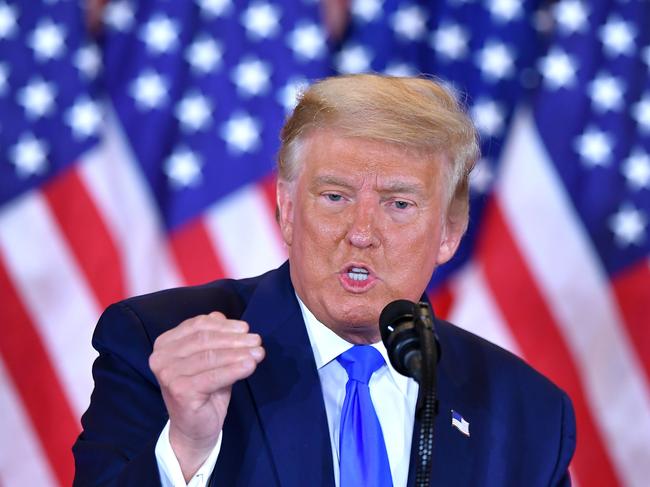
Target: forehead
[(325, 152)]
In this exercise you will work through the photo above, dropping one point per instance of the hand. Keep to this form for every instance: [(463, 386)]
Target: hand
[(196, 364)]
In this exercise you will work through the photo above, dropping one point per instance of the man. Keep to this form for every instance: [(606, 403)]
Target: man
[(246, 382)]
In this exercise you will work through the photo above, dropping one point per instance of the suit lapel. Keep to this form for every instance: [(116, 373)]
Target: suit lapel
[(286, 388), (455, 455)]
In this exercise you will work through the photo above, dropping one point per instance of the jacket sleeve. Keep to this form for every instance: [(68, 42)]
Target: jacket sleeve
[(561, 475), (126, 412)]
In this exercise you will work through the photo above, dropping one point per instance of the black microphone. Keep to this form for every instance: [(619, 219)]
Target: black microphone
[(407, 329)]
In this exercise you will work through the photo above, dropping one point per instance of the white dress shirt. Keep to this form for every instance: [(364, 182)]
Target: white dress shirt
[(393, 396)]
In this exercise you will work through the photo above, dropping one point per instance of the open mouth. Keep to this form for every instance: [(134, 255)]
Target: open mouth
[(358, 273)]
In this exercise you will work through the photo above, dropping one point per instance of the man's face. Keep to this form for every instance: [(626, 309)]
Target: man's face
[(365, 223)]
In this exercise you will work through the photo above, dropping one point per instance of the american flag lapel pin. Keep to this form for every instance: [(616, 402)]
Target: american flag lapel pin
[(460, 423)]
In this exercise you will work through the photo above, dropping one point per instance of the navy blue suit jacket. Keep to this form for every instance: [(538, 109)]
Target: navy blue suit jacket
[(522, 428)]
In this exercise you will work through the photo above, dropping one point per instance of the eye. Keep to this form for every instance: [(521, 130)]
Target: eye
[(334, 197), (401, 205)]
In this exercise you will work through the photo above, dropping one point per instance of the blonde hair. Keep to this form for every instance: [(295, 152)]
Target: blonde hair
[(413, 112)]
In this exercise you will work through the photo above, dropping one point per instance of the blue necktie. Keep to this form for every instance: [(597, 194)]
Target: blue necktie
[(362, 451)]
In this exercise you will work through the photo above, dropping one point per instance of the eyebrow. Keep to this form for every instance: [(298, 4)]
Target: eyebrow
[(405, 187)]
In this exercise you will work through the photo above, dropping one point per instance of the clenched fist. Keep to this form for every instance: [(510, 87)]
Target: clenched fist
[(196, 364)]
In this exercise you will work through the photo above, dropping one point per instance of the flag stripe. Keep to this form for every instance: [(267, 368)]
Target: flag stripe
[(37, 382), (475, 306), (195, 253), (121, 195), (86, 235), (442, 300), (246, 249), (47, 280), (632, 290), (589, 321), (24, 444), (534, 329)]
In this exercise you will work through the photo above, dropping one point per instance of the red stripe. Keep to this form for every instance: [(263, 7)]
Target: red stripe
[(268, 186), (632, 290), (87, 236), (36, 382), (195, 253), (532, 324), (442, 299)]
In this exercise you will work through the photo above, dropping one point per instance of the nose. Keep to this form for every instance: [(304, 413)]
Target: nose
[(363, 229)]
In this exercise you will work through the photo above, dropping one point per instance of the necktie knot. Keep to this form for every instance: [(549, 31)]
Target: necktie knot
[(360, 362)]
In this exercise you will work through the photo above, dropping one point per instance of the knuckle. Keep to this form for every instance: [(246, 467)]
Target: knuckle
[(218, 315)]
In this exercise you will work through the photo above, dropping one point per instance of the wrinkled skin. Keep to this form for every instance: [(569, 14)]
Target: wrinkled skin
[(364, 204)]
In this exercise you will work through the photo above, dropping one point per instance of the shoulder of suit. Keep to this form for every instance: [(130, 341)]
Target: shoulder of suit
[(154, 313), (478, 356)]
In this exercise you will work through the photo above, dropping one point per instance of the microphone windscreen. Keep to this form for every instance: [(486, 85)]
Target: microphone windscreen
[(394, 313)]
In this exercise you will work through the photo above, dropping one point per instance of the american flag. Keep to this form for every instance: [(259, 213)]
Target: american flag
[(141, 157)]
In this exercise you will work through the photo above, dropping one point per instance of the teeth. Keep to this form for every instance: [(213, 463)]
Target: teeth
[(359, 269), (357, 276)]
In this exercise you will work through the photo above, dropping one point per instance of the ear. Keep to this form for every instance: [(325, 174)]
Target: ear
[(286, 205), (452, 232)]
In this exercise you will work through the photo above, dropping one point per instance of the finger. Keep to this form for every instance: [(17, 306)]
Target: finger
[(214, 321), (212, 340), (204, 361), (212, 380)]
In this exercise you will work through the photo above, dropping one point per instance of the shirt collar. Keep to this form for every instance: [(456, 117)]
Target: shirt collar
[(327, 345)]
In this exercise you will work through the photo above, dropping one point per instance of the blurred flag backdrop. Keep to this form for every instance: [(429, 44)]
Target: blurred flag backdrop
[(141, 157)]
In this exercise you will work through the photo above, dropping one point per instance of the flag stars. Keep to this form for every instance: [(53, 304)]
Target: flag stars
[(215, 8), (194, 112), (617, 37), (261, 20), (288, 94), (252, 77), (450, 41), (558, 69), (495, 61), (118, 15), (481, 177), (37, 98), (204, 55), (504, 10), (488, 117), (571, 16), (636, 169), (241, 133), (594, 147), (606, 93), (641, 113), (366, 10), (409, 22), (8, 18), (629, 226), (29, 156), (160, 34), (47, 41), (88, 61), (396, 68), (149, 90), (307, 41), (353, 59), (183, 168), (83, 118)]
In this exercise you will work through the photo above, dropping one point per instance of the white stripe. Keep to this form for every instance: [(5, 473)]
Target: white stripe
[(576, 287), (53, 290), (126, 204), (245, 235), (22, 460), (475, 310)]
